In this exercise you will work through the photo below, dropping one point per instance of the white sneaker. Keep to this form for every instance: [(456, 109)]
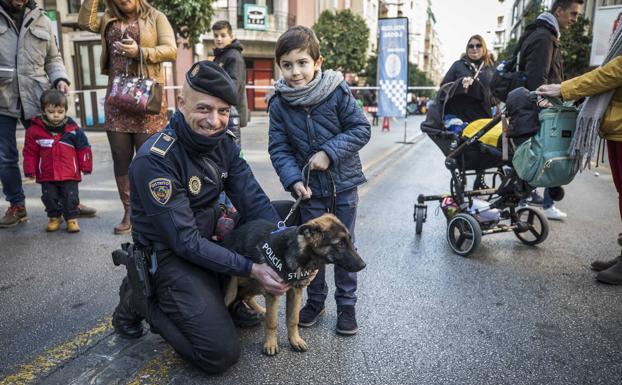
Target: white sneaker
[(555, 213)]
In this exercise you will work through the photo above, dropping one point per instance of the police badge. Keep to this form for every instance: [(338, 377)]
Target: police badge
[(161, 190), (194, 185)]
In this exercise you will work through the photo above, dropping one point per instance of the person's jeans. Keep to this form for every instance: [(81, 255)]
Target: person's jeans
[(547, 201), (10, 176), (345, 282)]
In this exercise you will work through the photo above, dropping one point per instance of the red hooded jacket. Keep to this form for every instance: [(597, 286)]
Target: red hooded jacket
[(56, 157)]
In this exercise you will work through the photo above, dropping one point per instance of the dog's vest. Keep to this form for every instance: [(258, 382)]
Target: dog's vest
[(277, 264)]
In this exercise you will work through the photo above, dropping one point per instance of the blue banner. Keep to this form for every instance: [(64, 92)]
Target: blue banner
[(392, 66)]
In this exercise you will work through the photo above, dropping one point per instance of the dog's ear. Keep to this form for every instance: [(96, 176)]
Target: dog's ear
[(312, 233)]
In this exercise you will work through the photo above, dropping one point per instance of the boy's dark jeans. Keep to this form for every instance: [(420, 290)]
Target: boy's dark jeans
[(61, 198), (345, 282), (10, 176)]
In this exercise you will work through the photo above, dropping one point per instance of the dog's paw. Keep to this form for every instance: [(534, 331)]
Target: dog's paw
[(298, 344), (271, 348)]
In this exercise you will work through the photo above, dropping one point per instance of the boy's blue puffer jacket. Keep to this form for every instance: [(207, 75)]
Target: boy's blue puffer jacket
[(336, 125)]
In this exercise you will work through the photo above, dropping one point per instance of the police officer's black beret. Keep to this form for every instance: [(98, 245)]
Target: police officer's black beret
[(209, 78)]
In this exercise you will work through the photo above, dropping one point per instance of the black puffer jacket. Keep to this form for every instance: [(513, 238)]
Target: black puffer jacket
[(540, 56), (464, 67), (231, 60)]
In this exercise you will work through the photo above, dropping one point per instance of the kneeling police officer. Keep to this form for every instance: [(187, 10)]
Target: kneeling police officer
[(176, 178)]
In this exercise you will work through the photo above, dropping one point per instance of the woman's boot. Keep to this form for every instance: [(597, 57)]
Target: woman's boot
[(123, 185)]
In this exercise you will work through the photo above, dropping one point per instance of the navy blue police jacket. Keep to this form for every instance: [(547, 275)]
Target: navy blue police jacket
[(336, 125), (174, 200)]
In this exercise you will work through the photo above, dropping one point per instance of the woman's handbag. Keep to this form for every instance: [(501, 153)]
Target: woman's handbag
[(138, 95), (545, 160)]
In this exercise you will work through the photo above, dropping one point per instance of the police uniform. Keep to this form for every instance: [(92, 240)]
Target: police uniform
[(174, 201)]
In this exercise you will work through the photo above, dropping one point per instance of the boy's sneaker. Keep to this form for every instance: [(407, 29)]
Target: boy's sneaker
[(14, 215), (310, 314), (53, 224), (72, 226), (346, 321), (554, 213)]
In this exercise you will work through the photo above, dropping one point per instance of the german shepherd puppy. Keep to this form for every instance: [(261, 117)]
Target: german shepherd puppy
[(320, 241)]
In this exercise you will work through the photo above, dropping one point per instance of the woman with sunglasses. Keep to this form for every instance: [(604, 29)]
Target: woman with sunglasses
[(476, 60), (475, 63)]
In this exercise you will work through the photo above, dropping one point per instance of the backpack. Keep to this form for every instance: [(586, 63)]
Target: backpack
[(544, 160), (507, 75), (506, 78)]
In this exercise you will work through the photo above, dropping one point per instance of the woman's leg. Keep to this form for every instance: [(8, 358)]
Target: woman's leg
[(122, 148)]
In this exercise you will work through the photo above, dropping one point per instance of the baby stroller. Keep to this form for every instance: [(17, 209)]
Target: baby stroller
[(476, 149)]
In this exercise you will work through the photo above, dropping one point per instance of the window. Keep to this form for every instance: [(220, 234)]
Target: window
[(270, 6), (499, 21)]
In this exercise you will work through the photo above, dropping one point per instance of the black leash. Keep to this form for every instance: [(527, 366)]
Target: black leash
[(281, 224), (333, 203)]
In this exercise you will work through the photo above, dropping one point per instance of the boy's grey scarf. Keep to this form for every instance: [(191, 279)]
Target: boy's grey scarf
[(592, 112), (549, 18), (318, 89)]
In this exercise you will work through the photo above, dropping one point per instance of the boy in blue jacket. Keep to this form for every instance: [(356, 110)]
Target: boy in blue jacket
[(315, 121)]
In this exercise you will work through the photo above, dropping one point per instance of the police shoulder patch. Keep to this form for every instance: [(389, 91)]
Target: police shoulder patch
[(161, 190), (162, 145)]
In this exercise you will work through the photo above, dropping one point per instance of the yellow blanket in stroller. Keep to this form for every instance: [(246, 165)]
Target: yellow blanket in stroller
[(491, 138)]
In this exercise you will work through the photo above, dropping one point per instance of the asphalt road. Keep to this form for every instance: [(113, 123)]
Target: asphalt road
[(509, 314)]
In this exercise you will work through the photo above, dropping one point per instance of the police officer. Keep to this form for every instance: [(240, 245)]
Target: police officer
[(175, 180)]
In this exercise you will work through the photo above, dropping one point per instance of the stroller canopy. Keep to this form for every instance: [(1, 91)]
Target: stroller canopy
[(468, 104)]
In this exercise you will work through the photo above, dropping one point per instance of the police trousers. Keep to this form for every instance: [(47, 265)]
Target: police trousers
[(190, 314)]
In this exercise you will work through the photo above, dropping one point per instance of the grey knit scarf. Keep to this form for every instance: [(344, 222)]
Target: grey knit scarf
[(318, 89), (592, 112)]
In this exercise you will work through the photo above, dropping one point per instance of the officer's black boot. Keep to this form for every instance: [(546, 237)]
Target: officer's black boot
[(125, 320), (599, 265), (612, 275)]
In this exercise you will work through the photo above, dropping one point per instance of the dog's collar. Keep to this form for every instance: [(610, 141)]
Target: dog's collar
[(277, 264)]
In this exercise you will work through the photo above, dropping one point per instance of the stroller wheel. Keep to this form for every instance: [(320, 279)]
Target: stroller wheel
[(420, 217), (533, 227), (463, 234)]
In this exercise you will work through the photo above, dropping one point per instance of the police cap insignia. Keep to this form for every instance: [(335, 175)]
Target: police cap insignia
[(194, 185), (161, 190)]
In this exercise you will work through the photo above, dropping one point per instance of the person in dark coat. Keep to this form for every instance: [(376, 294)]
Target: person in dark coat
[(476, 63), (315, 122), (540, 59), (475, 60), (228, 54), (176, 179)]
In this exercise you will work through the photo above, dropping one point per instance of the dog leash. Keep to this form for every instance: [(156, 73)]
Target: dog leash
[(281, 224)]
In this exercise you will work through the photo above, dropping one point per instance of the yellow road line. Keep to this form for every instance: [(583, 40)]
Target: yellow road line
[(157, 370), (55, 357)]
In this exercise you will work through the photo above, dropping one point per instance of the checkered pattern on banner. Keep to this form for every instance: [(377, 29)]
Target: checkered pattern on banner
[(395, 90)]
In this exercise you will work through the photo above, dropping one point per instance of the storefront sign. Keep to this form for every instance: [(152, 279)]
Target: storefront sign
[(255, 17)]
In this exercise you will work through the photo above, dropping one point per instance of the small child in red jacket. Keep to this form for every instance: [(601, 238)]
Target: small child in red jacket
[(57, 151)]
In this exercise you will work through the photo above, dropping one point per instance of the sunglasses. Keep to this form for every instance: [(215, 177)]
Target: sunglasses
[(473, 46)]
